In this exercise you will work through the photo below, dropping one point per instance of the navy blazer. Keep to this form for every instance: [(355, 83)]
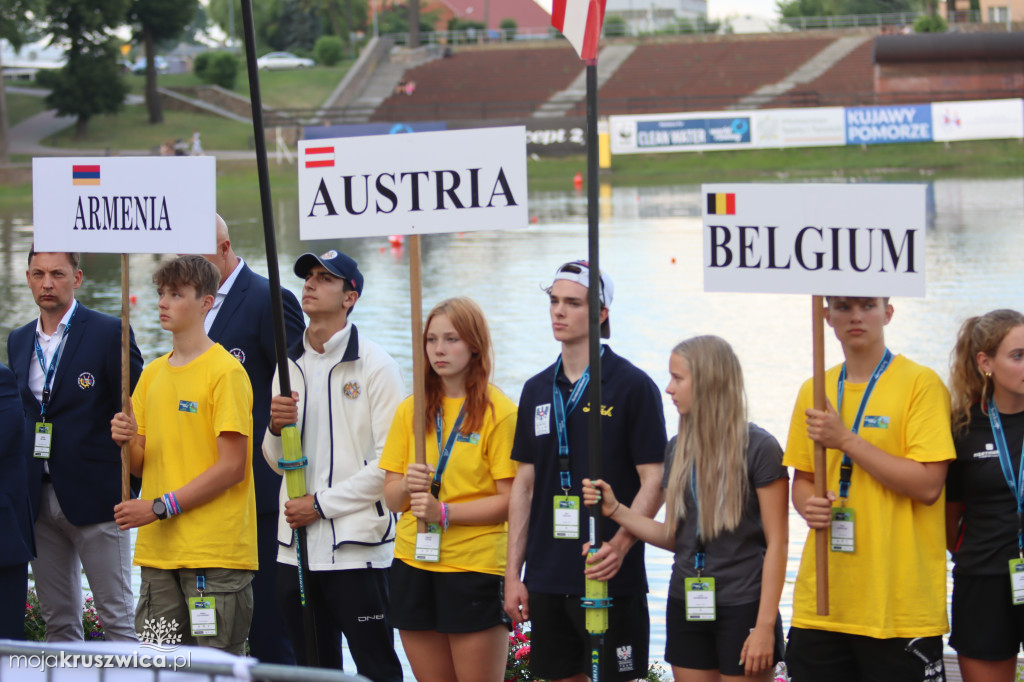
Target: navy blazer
[(85, 462), (17, 545), (245, 327)]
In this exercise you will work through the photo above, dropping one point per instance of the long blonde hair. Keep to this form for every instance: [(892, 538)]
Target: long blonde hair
[(712, 439), (968, 386)]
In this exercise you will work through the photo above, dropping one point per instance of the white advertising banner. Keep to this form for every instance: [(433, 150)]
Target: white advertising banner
[(813, 127), (418, 183), (984, 120), (818, 239), (692, 131), (125, 205)]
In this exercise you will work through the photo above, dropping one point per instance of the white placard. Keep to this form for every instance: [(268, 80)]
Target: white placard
[(819, 239), (125, 205), (980, 120), (417, 183)]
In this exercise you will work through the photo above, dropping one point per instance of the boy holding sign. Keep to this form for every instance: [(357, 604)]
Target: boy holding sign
[(886, 427), (191, 442)]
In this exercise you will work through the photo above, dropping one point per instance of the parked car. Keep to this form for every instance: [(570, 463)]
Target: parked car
[(282, 60), (140, 66)]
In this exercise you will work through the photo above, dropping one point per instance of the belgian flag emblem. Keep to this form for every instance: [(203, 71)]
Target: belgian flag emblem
[(721, 204)]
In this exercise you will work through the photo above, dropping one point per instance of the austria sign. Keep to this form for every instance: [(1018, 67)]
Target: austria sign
[(818, 239), (418, 183), (125, 205)]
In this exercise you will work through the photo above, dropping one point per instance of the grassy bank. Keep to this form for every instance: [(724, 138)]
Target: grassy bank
[(295, 88), (897, 162), (989, 158), (130, 129)]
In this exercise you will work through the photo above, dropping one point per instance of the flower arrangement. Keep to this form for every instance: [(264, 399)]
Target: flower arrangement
[(518, 667), (35, 626)]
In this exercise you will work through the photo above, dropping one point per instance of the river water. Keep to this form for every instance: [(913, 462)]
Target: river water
[(651, 246)]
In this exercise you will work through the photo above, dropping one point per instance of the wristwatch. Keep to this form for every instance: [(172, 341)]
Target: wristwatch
[(159, 508)]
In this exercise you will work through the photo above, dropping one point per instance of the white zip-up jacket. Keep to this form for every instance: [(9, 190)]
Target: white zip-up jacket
[(344, 424)]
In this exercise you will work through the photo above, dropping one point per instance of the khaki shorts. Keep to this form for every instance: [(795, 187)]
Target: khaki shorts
[(162, 615)]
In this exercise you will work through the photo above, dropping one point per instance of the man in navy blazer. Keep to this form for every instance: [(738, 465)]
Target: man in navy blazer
[(68, 369), (241, 321), (16, 541)]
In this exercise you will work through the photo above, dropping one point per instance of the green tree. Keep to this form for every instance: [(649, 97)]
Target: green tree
[(328, 50), (228, 15), (342, 17), (931, 23), (508, 28), (875, 6), (88, 84), (90, 81), (614, 25), (395, 19), (218, 68), (792, 9), (157, 20), (16, 26)]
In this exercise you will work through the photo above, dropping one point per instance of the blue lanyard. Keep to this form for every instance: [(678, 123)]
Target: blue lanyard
[(48, 373), (1016, 483), (445, 451), (562, 411), (846, 468), (698, 558)]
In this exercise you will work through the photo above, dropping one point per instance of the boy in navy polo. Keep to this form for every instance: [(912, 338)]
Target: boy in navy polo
[(633, 448)]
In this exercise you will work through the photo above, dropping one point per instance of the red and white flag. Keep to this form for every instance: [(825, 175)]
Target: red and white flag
[(319, 157), (579, 21)]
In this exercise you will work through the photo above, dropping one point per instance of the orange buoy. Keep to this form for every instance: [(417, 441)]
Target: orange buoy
[(577, 180)]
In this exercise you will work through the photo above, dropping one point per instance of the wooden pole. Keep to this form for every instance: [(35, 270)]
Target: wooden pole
[(820, 464), (126, 379), (418, 388)]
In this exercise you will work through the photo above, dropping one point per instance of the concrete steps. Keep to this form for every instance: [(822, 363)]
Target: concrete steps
[(805, 73)]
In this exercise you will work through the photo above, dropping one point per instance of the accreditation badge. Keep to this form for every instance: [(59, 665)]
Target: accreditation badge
[(567, 517), (428, 545), (43, 440), (700, 598), (1017, 581), (202, 616), (842, 529)]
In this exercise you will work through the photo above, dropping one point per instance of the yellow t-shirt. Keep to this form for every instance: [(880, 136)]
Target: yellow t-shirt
[(475, 464), (181, 411), (894, 583)]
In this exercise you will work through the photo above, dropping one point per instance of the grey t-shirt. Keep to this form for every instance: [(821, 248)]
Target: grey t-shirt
[(734, 559)]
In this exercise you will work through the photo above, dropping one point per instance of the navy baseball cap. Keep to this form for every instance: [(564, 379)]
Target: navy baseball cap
[(336, 263)]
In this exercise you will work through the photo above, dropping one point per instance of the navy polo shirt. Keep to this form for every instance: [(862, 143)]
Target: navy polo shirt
[(632, 433)]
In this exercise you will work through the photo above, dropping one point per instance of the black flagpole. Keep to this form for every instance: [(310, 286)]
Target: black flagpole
[(290, 435), (595, 600)]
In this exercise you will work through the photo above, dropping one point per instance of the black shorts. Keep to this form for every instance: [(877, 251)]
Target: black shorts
[(817, 655), (453, 602), (714, 645), (560, 645), (986, 625)]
